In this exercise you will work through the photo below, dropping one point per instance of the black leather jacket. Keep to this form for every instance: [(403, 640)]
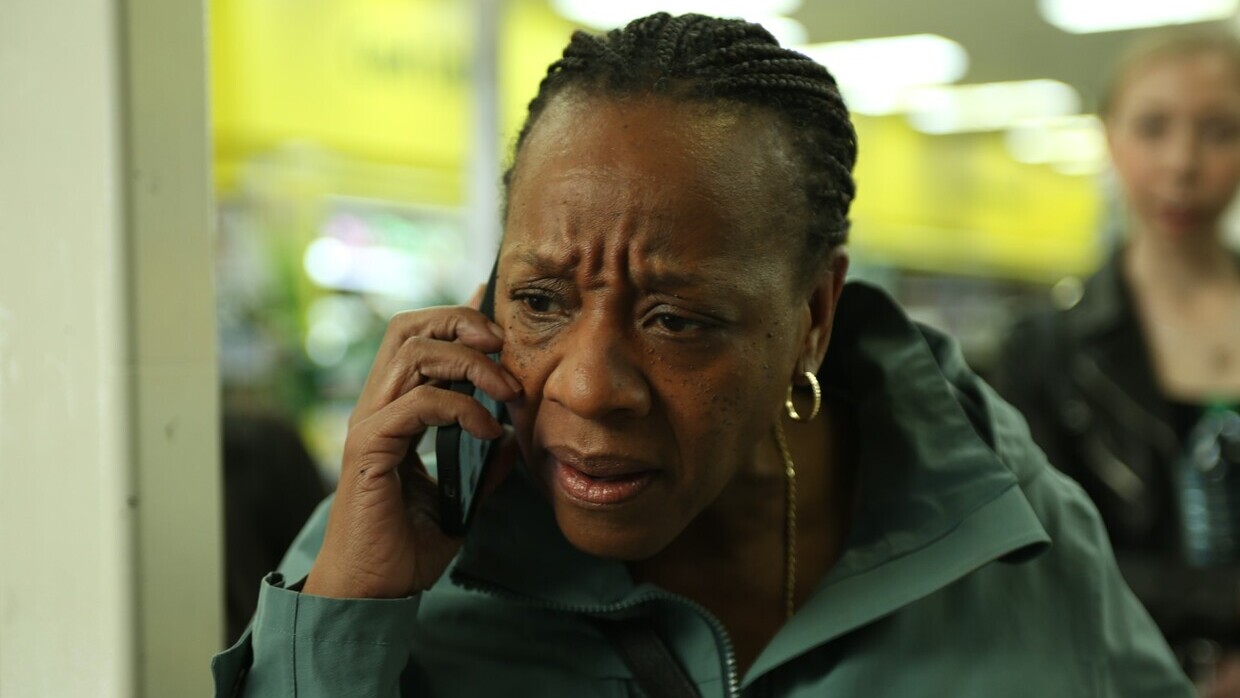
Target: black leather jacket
[(1082, 375)]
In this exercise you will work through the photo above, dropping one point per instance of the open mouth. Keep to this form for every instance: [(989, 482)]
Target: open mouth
[(601, 490)]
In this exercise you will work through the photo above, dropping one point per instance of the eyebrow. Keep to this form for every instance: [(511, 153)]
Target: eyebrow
[(671, 279), (544, 265), (650, 278)]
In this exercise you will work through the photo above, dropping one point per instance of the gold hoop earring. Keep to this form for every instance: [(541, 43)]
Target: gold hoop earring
[(817, 389)]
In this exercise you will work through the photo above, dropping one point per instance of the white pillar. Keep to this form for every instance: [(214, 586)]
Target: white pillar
[(110, 581), (482, 201)]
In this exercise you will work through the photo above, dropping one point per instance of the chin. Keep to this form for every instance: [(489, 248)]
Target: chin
[(626, 539)]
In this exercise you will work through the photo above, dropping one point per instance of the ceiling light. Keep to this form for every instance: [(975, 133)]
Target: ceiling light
[(1085, 16), (1071, 144), (1070, 138), (875, 74), (609, 15), (1080, 169), (988, 106)]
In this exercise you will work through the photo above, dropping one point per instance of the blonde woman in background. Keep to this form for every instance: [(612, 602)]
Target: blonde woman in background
[(1132, 388)]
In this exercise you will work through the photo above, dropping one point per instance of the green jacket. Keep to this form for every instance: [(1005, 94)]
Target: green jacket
[(973, 569)]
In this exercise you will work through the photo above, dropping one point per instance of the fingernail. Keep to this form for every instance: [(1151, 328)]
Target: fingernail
[(496, 330), (513, 383)]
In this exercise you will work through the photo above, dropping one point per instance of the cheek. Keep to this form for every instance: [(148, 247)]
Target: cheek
[(730, 409), (1132, 164), (1224, 174), (522, 362)]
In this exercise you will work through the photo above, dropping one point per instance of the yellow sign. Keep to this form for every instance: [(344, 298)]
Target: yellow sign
[(961, 204), (380, 89), (380, 79)]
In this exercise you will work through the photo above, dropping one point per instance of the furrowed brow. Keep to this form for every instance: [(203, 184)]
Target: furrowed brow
[(667, 279), (540, 264)]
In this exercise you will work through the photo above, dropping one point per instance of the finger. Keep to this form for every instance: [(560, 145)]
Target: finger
[(448, 323), (377, 445), (423, 360)]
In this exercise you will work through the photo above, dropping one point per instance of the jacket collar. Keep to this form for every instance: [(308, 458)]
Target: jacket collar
[(936, 501)]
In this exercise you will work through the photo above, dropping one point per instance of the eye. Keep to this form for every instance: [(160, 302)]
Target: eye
[(1150, 126), (1220, 131), (676, 324), (536, 302)]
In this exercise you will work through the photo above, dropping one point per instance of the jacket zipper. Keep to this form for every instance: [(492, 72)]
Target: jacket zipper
[(732, 685)]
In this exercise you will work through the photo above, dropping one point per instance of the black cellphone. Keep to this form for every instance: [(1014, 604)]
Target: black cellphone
[(460, 456)]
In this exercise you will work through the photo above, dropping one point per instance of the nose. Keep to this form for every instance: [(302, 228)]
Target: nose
[(1182, 157), (596, 375)]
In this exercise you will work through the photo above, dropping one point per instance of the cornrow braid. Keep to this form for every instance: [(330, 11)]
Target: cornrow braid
[(707, 59)]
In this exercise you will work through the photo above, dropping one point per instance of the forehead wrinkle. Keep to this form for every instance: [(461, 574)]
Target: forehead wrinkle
[(543, 262), (702, 274), (635, 219), (589, 182)]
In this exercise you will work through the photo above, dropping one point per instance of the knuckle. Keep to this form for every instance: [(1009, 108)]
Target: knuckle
[(356, 445), (413, 346), (400, 324), (422, 394), (476, 371)]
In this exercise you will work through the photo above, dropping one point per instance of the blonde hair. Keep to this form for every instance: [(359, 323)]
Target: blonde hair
[(1163, 45)]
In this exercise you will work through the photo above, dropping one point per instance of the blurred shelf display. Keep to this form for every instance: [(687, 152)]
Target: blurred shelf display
[(977, 311)]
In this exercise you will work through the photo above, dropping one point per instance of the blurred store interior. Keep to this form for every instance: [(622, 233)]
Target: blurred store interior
[(357, 146)]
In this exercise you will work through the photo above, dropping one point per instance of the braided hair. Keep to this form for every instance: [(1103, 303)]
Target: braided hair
[(699, 58)]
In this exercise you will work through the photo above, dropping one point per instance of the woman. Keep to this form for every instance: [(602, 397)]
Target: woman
[(1127, 387), (682, 516)]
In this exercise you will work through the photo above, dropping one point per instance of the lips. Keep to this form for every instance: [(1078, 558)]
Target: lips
[(601, 479), (1180, 218)]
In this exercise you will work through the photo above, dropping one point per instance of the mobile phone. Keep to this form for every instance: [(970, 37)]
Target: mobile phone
[(460, 456)]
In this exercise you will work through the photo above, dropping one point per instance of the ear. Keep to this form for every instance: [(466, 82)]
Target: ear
[(824, 297)]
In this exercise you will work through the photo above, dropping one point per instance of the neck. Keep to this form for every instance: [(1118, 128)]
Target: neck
[(731, 559), (743, 522), (1184, 263)]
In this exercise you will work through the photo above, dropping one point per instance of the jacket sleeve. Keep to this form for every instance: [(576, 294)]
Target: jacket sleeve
[(1130, 657), (1139, 661), (309, 646)]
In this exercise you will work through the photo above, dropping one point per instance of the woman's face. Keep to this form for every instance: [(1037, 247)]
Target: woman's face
[(1174, 133), (648, 295)]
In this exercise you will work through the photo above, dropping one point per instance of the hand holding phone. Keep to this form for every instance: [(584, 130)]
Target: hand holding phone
[(384, 538), (460, 463), (461, 457)]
